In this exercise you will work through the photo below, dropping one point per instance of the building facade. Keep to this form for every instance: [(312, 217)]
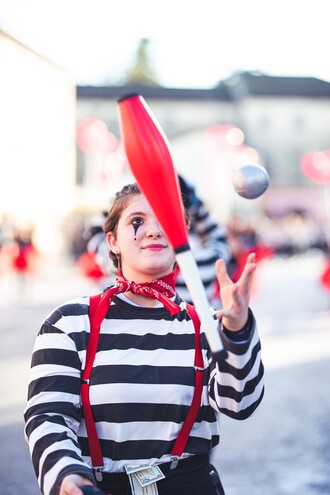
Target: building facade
[(37, 144), (281, 119), (61, 155)]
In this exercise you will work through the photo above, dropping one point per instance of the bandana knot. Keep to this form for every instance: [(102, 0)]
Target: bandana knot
[(159, 288)]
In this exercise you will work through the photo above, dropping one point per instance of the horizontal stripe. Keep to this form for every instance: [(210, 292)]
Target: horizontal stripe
[(122, 310), (52, 398), (226, 403), (71, 384), (244, 413), (149, 342), (238, 365), (57, 340), (36, 416), (154, 394), (53, 356), (141, 374), (227, 380), (53, 369), (248, 388), (152, 357), (125, 412), (76, 307), (145, 430), (77, 339), (148, 449)]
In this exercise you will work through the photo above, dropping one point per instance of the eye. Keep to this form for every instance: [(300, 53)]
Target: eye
[(137, 221)]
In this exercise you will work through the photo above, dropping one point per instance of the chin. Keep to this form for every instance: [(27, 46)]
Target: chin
[(159, 271)]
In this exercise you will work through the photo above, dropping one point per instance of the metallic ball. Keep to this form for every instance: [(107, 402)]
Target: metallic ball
[(251, 181)]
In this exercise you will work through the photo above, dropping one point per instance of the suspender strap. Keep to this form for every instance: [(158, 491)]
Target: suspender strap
[(93, 440), (183, 436)]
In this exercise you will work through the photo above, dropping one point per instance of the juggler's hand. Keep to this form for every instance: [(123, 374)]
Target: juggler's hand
[(71, 484), (235, 297)]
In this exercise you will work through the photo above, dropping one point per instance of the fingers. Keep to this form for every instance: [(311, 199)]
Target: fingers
[(72, 483), (235, 296), (247, 273), (221, 272), (246, 276)]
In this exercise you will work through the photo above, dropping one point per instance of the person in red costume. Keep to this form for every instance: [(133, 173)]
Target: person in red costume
[(122, 436)]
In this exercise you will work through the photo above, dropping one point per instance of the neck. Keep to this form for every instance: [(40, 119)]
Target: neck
[(141, 278), (145, 302), (161, 289)]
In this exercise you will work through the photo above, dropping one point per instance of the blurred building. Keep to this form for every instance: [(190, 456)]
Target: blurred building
[(37, 144), (61, 158), (281, 119)]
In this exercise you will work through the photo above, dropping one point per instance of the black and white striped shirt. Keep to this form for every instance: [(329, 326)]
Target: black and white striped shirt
[(208, 243), (141, 388)]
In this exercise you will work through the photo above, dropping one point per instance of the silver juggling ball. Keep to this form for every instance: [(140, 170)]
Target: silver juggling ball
[(251, 181)]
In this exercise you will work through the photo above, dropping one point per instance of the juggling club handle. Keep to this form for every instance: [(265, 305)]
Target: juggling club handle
[(190, 273)]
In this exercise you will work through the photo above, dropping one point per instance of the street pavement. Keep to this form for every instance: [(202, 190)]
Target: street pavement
[(283, 449)]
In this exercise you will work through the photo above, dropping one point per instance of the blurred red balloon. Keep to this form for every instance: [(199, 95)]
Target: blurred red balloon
[(93, 137), (316, 166)]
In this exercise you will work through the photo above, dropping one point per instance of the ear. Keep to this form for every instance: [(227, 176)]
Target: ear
[(112, 242)]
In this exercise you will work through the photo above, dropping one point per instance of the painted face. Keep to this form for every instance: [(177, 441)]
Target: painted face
[(144, 251)]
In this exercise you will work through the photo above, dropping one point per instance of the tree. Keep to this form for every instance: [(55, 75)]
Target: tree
[(141, 71)]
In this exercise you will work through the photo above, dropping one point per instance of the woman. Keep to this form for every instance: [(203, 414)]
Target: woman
[(142, 381), (208, 242)]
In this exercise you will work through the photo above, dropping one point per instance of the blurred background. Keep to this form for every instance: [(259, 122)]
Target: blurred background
[(241, 83)]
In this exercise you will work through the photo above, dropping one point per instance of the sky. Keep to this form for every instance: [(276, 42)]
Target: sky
[(193, 44)]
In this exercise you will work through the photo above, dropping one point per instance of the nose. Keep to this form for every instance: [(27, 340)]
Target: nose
[(154, 230)]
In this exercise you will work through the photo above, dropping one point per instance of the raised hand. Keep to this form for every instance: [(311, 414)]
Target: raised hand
[(235, 297)]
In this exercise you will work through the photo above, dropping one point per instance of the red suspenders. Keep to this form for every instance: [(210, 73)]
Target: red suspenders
[(93, 440), (182, 439)]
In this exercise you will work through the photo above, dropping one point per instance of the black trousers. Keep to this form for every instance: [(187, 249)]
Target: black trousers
[(192, 476)]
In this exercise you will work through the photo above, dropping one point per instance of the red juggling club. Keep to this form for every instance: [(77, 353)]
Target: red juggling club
[(148, 153)]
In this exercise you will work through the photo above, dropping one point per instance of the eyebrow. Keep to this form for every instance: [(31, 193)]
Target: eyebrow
[(134, 213)]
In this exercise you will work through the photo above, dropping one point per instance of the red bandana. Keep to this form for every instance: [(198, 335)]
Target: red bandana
[(159, 288)]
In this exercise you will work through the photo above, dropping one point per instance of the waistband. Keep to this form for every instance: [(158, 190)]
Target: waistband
[(190, 467)]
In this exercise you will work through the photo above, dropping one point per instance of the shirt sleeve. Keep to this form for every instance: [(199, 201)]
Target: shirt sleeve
[(236, 383), (213, 236), (242, 335), (208, 242), (53, 411)]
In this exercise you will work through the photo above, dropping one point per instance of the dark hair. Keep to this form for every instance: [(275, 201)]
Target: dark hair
[(119, 204)]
